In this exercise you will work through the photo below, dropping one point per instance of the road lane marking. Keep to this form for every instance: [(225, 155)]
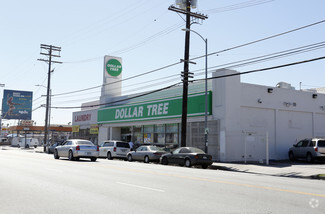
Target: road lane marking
[(221, 182), (141, 187)]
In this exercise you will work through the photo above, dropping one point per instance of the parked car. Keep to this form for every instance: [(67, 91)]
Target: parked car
[(309, 149), (51, 148), (75, 149), (114, 149), (4, 141), (187, 156), (27, 142), (146, 153)]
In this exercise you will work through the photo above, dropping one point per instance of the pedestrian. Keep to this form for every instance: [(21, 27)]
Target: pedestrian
[(131, 144)]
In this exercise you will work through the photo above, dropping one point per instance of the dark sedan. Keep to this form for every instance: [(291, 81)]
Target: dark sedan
[(146, 154), (187, 156), (50, 149)]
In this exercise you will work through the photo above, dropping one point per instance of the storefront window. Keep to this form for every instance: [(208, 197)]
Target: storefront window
[(148, 134), (160, 128), (160, 139), (172, 128), (159, 136), (172, 136), (126, 134), (137, 135), (166, 135)]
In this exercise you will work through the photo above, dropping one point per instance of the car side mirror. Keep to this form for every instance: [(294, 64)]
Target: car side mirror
[(294, 145)]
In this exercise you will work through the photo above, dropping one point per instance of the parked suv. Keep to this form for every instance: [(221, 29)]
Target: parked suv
[(114, 149), (310, 149)]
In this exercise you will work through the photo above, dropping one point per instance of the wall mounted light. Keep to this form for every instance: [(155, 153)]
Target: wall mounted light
[(322, 107), (287, 104), (314, 96), (259, 101), (270, 90)]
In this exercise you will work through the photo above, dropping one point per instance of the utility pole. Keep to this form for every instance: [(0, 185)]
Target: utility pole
[(187, 4), (50, 51)]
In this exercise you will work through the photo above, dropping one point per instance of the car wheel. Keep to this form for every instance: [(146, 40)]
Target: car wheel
[(18, 146), (71, 158), (27, 146), (146, 159), (109, 156), (188, 162), (56, 155), (291, 156), (309, 158), (164, 161), (35, 147), (204, 166), (93, 159), (130, 158)]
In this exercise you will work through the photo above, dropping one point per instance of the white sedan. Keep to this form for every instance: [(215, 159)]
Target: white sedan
[(75, 149)]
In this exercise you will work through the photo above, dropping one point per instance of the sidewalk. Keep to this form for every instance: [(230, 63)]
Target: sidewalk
[(297, 169)]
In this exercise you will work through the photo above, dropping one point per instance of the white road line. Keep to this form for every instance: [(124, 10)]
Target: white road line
[(142, 187)]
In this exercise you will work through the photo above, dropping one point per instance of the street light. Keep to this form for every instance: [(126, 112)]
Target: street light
[(48, 115), (206, 130), (1, 85)]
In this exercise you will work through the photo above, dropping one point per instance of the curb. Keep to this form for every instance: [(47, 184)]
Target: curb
[(319, 177)]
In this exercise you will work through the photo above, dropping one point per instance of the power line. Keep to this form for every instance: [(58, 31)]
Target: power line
[(271, 56), (197, 80), (132, 77), (237, 6), (136, 45), (235, 64), (260, 40), (264, 69), (117, 101), (173, 64)]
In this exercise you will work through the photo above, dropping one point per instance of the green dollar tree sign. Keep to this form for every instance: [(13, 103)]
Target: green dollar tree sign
[(113, 67)]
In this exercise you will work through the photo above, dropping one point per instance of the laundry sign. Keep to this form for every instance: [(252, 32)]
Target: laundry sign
[(155, 110)]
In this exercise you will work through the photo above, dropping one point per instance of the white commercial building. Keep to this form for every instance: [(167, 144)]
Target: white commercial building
[(246, 122)]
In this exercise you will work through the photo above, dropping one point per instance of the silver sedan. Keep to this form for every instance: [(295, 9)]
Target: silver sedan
[(75, 149), (146, 154)]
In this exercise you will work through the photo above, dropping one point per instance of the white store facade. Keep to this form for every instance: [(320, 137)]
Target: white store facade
[(242, 118)]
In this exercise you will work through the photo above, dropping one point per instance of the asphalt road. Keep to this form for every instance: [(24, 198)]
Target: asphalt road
[(37, 183)]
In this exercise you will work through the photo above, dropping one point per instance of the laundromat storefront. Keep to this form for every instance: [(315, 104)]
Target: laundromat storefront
[(162, 109)]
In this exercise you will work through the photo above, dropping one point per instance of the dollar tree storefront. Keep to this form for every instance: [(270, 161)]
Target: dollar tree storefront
[(154, 122)]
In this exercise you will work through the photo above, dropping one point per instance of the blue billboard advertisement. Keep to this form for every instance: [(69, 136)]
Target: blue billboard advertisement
[(17, 105)]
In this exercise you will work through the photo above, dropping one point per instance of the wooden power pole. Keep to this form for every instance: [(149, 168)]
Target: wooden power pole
[(50, 51), (189, 14)]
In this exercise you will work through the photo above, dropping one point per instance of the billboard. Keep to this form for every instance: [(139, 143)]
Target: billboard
[(17, 105)]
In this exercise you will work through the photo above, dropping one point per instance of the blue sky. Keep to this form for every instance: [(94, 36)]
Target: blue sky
[(148, 36)]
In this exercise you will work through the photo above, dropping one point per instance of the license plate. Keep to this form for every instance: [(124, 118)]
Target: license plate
[(205, 157), (88, 153), (123, 150)]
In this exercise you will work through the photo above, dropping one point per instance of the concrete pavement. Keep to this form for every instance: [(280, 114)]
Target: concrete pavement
[(297, 169)]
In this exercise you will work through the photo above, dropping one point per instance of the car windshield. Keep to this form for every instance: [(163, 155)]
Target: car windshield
[(84, 143), (122, 144), (196, 150)]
